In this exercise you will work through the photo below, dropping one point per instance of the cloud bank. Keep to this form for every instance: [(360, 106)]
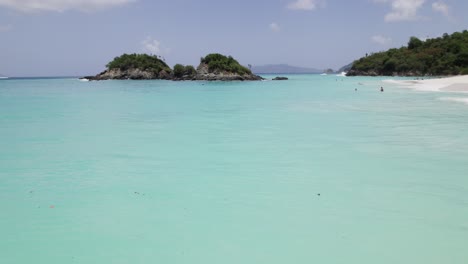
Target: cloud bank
[(61, 5)]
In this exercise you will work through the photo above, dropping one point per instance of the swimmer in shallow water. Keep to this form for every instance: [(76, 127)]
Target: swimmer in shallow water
[(381, 89)]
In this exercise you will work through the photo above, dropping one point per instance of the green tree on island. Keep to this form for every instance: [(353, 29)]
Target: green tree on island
[(447, 55), (218, 62), (213, 67), (181, 70), (139, 61)]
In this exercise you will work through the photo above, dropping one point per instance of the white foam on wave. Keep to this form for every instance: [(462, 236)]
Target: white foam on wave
[(342, 74), (455, 99), (84, 80)]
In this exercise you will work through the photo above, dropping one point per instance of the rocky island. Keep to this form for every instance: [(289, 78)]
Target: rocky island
[(280, 78), (213, 67), (446, 55)]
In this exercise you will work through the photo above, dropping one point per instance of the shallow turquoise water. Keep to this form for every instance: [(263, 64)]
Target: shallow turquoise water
[(195, 172)]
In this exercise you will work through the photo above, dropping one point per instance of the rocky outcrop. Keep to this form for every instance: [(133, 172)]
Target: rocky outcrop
[(130, 74), (163, 75), (202, 74), (279, 78)]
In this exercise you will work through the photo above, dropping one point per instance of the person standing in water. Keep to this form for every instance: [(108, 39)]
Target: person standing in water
[(381, 89)]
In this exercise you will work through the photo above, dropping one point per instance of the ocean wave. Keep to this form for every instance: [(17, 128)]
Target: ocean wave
[(455, 99), (342, 74)]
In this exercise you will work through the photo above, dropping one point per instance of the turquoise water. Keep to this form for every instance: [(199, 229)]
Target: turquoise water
[(301, 171)]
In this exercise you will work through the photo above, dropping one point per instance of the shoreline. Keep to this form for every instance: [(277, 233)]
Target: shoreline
[(456, 84)]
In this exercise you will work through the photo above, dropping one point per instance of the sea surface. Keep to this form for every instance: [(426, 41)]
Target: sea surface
[(300, 171)]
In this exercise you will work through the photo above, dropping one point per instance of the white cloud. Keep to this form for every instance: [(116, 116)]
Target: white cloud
[(152, 46), (61, 5), (441, 7), (5, 28), (381, 40), (306, 4), (403, 10), (275, 27)]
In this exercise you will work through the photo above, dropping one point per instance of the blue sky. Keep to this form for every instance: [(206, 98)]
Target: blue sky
[(78, 37)]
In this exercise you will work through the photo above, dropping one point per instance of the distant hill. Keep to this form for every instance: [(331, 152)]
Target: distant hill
[(345, 68), (447, 55), (283, 68)]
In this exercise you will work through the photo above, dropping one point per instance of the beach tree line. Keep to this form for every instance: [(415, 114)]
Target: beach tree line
[(446, 55)]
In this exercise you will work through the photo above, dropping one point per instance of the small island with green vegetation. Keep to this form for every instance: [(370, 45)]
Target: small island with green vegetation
[(446, 55), (213, 67)]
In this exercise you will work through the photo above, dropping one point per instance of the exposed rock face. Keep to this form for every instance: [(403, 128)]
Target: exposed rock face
[(132, 74), (203, 74), (163, 75), (279, 78)]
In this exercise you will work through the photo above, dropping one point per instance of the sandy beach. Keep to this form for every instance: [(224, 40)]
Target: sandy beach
[(456, 85), (449, 84)]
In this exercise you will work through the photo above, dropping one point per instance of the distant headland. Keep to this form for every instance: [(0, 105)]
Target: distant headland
[(446, 55), (213, 67), (284, 69)]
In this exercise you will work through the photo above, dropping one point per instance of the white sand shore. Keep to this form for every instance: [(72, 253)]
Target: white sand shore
[(449, 84)]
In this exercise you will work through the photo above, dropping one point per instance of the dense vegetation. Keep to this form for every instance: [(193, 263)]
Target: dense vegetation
[(181, 70), (219, 63), (139, 61), (447, 55), (213, 67)]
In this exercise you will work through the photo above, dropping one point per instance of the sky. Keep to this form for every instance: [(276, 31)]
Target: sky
[(79, 37)]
